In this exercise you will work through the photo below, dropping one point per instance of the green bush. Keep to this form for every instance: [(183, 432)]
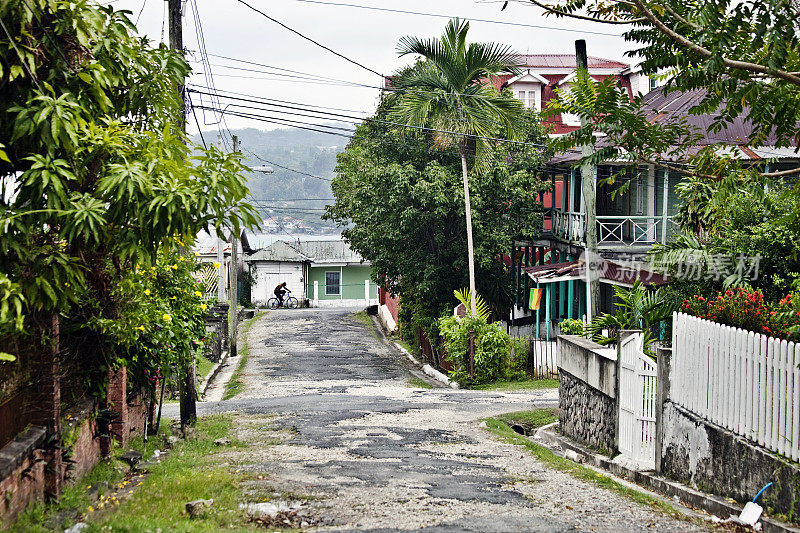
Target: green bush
[(571, 326), (492, 345)]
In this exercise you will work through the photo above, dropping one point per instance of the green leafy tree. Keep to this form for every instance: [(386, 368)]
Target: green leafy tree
[(399, 201), (636, 308), (448, 93), (745, 56), (97, 174)]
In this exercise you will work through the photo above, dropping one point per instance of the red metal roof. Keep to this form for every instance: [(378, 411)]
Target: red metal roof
[(568, 61), (609, 271)]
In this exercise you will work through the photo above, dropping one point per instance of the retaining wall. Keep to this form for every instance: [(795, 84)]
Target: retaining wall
[(34, 468), (713, 459), (587, 399)]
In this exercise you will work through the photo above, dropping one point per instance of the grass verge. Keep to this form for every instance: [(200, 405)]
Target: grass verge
[(518, 385), (76, 499), (191, 471), (203, 367), (504, 432), (530, 419), (363, 317), (236, 383), (419, 383)]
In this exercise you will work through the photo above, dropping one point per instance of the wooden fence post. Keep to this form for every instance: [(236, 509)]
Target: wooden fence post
[(471, 354), (664, 363)]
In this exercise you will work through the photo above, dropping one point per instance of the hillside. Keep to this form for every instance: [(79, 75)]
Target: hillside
[(290, 201)]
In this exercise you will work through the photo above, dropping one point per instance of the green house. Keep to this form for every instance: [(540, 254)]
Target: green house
[(326, 273)]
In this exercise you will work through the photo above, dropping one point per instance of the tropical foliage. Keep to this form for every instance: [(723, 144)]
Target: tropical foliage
[(492, 343), (636, 308), (571, 326), (743, 58), (400, 189), (448, 95), (746, 308), (97, 175)]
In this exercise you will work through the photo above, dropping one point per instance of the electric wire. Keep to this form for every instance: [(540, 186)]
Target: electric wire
[(310, 39), (438, 15), (349, 118)]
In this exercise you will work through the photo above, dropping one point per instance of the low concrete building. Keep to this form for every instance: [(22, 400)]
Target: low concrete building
[(327, 273)]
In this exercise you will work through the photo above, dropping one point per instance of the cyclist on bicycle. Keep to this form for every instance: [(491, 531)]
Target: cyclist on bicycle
[(280, 291)]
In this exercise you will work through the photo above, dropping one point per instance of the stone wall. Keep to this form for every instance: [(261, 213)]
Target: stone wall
[(587, 392), (711, 458), (216, 321), (586, 414)]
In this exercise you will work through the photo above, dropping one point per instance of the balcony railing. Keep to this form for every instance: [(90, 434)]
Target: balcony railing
[(613, 230)]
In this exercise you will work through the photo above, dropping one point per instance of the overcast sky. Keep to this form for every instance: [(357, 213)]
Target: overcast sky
[(367, 36)]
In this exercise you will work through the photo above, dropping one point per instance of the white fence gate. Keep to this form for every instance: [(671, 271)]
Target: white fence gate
[(637, 399)]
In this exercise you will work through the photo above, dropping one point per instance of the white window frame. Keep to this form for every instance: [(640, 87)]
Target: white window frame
[(337, 286)]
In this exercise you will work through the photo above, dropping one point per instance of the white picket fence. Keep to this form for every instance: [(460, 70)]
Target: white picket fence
[(543, 361), (743, 381)]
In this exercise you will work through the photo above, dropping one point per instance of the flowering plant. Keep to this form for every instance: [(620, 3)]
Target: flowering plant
[(745, 308), (161, 323)]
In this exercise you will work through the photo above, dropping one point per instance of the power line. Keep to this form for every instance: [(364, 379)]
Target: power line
[(349, 118), (437, 15), (284, 167), (281, 101), (334, 52), (257, 64)]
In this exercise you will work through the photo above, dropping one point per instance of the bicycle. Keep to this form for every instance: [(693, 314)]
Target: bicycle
[(289, 302)]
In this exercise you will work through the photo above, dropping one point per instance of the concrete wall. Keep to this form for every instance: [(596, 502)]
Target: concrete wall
[(269, 274), (702, 454), (587, 398)]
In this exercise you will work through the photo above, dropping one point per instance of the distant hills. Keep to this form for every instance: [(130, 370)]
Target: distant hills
[(290, 200)]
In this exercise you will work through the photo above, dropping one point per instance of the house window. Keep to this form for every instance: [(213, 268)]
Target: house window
[(332, 283), (532, 100), (522, 97), (653, 83)]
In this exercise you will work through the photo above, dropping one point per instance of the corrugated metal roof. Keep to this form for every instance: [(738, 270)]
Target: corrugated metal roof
[(279, 251), (316, 251), (568, 61), (609, 271), (675, 106), (331, 251)]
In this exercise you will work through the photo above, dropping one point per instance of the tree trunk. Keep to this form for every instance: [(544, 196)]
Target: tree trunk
[(470, 252)]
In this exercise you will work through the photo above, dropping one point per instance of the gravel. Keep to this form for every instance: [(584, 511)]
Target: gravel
[(365, 451)]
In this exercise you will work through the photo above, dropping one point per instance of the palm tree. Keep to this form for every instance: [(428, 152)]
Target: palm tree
[(449, 94)]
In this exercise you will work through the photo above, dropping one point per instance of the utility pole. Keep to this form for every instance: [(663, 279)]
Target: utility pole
[(220, 252), (588, 173), (187, 385), (233, 313)]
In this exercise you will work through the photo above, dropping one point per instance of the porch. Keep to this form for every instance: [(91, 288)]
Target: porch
[(634, 206)]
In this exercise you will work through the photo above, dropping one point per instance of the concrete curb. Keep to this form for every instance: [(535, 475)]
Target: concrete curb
[(428, 369), (206, 383), (710, 503)]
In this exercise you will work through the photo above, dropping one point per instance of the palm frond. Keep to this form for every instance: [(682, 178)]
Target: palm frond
[(482, 308)]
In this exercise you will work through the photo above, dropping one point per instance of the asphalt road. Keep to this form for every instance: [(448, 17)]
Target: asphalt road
[(370, 452)]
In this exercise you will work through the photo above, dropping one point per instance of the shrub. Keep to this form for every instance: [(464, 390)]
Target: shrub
[(492, 344), (745, 308), (571, 326)]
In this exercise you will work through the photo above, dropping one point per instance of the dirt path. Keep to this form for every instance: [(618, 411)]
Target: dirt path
[(366, 451)]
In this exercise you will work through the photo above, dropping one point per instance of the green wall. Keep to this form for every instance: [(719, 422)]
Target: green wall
[(352, 281)]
